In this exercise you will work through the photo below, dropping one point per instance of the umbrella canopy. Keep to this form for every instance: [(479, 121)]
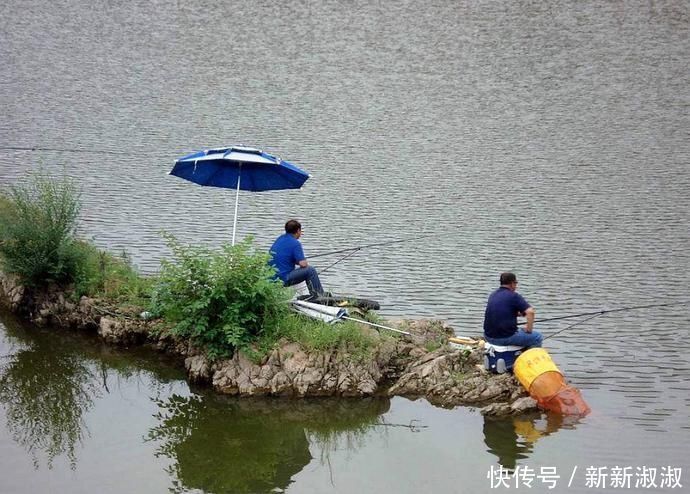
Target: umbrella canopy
[(240, 168)]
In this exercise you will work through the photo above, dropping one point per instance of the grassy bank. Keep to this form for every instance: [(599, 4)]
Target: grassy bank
[(221, 300)]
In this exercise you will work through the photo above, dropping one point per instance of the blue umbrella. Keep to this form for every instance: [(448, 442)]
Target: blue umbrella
[(239, 167)]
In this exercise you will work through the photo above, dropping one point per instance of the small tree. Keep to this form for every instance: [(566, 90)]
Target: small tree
[(37, 224)]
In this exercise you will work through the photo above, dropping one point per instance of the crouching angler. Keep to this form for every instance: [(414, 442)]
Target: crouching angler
[(500, 318)]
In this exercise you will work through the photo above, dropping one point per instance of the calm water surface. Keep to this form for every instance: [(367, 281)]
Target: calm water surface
[(548, 138)]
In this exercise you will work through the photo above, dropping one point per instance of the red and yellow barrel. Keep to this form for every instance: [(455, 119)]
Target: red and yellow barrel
[(544, 381)]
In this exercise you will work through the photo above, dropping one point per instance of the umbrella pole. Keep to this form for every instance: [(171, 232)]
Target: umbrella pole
[(237, 202)]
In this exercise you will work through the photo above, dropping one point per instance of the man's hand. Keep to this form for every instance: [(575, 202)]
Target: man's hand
[(303, 263), (529, 314)]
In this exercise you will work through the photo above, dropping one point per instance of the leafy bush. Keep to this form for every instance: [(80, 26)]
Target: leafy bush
[(220, 299), (37, 223)]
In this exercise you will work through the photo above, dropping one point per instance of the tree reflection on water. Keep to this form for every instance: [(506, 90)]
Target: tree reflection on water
[(221, 444), (46, 391), (50, 380)]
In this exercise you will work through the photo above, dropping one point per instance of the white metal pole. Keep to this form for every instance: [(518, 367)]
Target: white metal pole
[(237, 202)]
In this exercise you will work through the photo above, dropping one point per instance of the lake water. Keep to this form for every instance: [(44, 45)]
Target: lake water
[(546, 138)]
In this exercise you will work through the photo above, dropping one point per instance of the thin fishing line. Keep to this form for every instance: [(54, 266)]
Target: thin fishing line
[(63, 150), (572, 326), (376, 244), (339, 260), (609, 311)]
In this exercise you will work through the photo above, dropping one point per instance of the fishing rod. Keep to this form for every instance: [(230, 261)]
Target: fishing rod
[(341, 259), (600, 312), (376, 244), (407, 333), (354, 250), (334, 314)]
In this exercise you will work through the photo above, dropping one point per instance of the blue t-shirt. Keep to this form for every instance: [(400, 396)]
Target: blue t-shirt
[(286, 251), (500, 318)]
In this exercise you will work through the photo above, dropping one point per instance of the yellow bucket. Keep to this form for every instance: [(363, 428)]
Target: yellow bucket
[(531, 364)]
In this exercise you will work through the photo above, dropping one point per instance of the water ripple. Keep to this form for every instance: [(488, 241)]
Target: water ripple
[(534, 138)]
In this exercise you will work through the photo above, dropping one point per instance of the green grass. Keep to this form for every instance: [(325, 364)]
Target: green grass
[(314, 335), (113, 278), (459, 377)]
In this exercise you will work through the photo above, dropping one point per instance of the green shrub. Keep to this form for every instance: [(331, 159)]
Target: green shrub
[(220, 299), (37, 223), (104, 275)]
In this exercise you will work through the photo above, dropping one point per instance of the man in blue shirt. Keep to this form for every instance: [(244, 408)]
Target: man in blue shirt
[(500, 318), (286, 253)]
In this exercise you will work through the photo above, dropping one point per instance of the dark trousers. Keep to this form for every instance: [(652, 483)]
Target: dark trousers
[(307, 274)]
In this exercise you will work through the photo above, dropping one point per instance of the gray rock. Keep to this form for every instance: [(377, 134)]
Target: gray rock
[(496, 410), (12, 290), (521, 405), (121, 331), (198, 368)]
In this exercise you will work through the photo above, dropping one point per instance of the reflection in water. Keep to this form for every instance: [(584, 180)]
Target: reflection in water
[(513, 438), (50, 380), (46, 391), (251, 445)]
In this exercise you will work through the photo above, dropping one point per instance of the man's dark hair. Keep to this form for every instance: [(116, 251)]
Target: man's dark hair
[(508, 278), (292, 226)]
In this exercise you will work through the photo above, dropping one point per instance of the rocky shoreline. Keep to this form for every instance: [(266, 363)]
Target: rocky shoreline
[(411, 367)]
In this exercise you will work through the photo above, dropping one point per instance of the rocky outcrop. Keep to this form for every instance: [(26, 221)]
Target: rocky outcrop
[(50, 306), (291, 371), (407, 367), (521, 405), (122, 331), (448, 377), (12, 290), (198, 368)]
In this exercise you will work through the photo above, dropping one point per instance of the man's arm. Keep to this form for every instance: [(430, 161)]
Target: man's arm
[(300, 257), (529, 314)]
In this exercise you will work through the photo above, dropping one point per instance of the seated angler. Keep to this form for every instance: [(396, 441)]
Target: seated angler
[(500, 318), (286, 253)]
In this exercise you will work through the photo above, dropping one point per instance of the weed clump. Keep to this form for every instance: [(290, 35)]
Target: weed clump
[(110, 277), (314, 335), (37, 224)]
